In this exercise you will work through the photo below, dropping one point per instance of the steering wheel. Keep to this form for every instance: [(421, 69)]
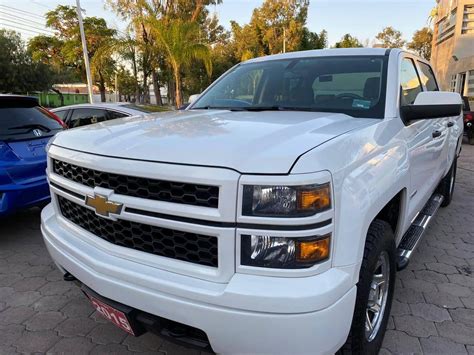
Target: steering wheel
[(349, 95)]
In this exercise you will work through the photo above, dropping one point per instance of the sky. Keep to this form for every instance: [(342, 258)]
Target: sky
[(361, 18)]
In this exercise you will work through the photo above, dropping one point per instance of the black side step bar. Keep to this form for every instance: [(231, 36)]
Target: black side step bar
[(416, 231)]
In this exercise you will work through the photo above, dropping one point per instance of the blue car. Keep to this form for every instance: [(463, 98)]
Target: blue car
[(25, 129)]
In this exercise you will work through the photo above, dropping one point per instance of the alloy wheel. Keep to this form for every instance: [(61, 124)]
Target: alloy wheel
[(378, 295)]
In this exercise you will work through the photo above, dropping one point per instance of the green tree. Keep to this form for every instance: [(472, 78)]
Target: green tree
[(313, 40), (64, 50), (348, 41), (19, 73), (148, 54), (222, 55), (126, 84), (421, 42), (390, 38), (275, 26), (64, 21), (181, 47)]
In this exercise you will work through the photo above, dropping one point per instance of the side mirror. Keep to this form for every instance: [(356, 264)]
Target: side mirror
[(193, 98), (432, 104)]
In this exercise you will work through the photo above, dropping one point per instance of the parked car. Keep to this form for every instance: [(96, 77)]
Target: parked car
[(468, 120), (268, 217), (85, 114), (25, 129)]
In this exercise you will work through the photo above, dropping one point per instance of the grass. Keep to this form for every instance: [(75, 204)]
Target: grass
[(156, 108)]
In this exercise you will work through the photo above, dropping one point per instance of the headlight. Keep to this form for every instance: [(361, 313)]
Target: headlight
[(286, 201), (282, 252)]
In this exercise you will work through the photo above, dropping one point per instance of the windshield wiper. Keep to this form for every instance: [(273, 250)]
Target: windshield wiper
[(32, 126), (277, 108), (258, 108)]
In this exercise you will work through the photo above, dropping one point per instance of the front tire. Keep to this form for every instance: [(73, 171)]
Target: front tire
[(374, 291)]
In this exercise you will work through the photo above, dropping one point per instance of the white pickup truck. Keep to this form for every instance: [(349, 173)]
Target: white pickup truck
[(271, 215)]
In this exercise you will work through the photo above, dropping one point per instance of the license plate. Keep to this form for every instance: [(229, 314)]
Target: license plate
[(113, 315)]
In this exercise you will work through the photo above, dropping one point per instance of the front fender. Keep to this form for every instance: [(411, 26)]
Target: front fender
[(369, 168)]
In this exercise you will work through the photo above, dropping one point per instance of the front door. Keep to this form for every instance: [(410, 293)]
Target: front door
[(422, 148)]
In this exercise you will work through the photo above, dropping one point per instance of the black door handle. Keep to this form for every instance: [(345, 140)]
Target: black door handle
[(436, 134), (450, 124)]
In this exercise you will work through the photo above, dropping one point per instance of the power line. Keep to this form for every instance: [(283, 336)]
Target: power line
[(31, 29), (20, 18), (40, 4), (23, 11), (27, 25), (18, 29)]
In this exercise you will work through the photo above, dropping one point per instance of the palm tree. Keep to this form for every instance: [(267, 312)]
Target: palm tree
[(178, 40)]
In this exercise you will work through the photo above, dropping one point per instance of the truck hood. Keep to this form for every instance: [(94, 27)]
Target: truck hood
[(267, 142)]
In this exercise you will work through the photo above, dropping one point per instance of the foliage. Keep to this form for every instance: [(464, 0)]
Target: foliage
[(63, 51), (348, 41), (421, 42), (313, 40), (177, 44), (390, 38), (181, 46), (275, 26), (20, 74)]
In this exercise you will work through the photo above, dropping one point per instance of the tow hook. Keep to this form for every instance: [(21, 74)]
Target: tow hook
[(68, 277)]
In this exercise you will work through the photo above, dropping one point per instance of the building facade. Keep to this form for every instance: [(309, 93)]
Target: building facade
[(452, 52)]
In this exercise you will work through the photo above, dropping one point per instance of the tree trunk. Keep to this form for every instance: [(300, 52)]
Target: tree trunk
[(156, 88), (102, 90), (177, 86), (135, 75)]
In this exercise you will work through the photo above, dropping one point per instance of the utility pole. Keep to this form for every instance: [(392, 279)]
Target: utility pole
[(84, 50), (284, 40)]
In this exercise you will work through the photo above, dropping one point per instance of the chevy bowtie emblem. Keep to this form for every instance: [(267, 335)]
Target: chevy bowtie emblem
[(103, 206)]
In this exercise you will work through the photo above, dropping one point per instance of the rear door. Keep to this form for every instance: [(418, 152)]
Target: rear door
[(86, 116), (443, 128), (112, 115), (25, 129)]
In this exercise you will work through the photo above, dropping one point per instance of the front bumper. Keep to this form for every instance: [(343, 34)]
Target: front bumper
[(249, 314), (17, 196)]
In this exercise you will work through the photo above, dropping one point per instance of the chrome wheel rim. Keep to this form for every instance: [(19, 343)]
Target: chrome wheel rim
[(378, 295)]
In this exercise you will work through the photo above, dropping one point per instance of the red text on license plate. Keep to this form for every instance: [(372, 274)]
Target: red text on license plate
[(115, 316)]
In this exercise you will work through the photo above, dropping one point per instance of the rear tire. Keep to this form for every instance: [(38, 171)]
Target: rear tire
[(378, 266), (446, 186)]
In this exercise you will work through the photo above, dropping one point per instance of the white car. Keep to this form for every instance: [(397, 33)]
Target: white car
[(268, 217), (85, 114)]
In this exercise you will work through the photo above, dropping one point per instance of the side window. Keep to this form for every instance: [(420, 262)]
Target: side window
[(61, 114), (86, 116), (428, 77), (112, 115), (409, 82)]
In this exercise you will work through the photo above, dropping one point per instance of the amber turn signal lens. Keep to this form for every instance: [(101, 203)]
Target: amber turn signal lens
[(313, 250), (318, 198)]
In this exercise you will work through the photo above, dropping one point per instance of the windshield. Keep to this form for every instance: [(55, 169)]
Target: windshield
[(354, 85)]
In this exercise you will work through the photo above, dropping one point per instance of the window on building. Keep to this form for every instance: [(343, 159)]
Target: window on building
[(447, 26), (468, 20), (452, 84), (470, 84)]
